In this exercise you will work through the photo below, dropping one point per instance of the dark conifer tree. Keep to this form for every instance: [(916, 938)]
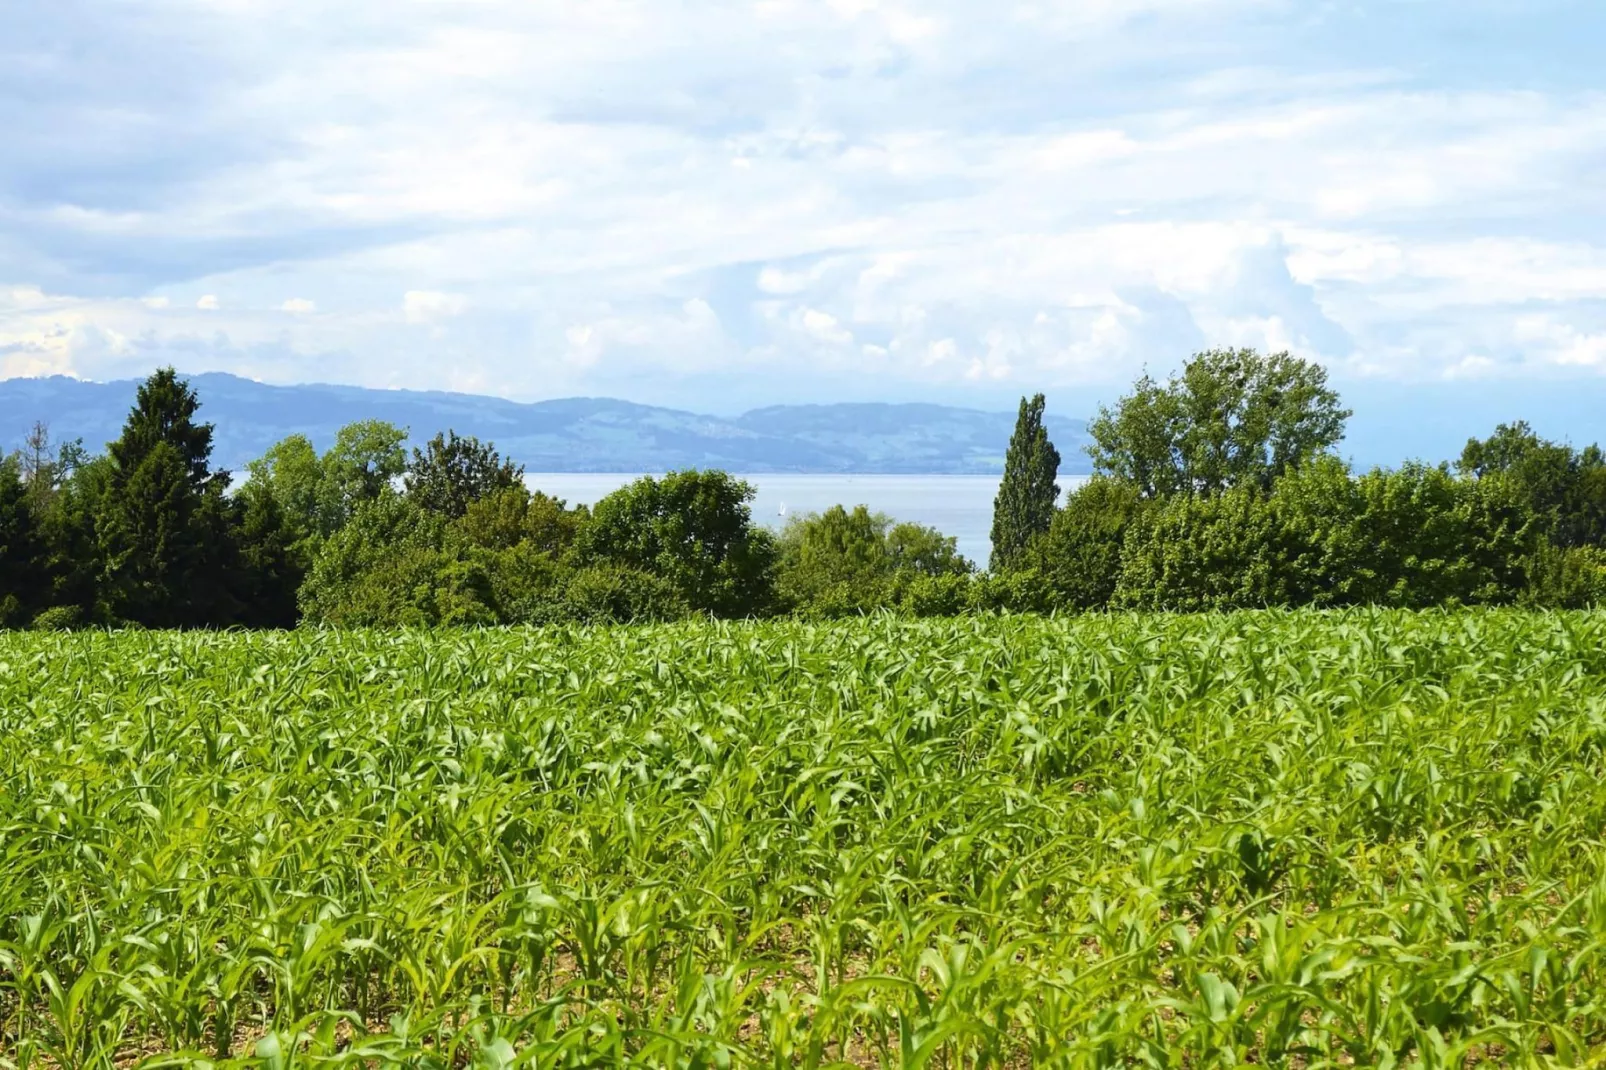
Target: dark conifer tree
[(1027, 496), (163, 526), (22, 576), (270, 574)]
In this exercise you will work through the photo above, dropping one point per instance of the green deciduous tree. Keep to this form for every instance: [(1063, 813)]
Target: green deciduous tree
[(694, 529), (1564, 487), (847, 561), (365, 461), (451, 472), (1027, 495), (1233, 417)]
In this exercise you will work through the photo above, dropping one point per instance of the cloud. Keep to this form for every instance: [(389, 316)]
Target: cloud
[(931, 199), (428, 306)]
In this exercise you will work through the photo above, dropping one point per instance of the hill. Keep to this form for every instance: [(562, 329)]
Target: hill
[(564, 435)]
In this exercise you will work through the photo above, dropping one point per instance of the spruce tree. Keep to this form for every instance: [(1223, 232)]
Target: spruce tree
[(22, 575), (162, 525), (1026, 497)]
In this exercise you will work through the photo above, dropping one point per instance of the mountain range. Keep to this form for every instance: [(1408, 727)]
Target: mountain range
[(563, 435)]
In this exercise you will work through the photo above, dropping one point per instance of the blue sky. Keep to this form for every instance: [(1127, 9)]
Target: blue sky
[(723, 205)]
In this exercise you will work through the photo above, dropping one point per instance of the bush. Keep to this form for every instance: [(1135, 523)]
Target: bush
[(59, 619), (1015, 591), (1199, 553), (920, 595), (1079, 557), (843, 563), (1571, 577), (607, 595)]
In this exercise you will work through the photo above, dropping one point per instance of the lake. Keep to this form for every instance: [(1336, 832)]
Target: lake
[(961, 506)]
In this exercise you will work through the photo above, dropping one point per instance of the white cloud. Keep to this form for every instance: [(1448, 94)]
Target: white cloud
[(429, 306), (822, 326), (299, 306), (931, 189)]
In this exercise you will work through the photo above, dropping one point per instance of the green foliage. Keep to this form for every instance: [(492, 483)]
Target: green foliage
[(271, 569), (1570, 577), (1231, 418), (1430, 539), (73, 558), (923, 550), (1201, 553), (612, 594), (365, 461), (162, 525), (318, 495), (1412, 537), (1078, 560), (1564, 488), (845, 562), (923, 594), (513, 516), (22, 576), (1027, 493), (45, 464), (292, 474), (58, 619), (392, 565), (692, 529), (453, 472), (1360, 838)]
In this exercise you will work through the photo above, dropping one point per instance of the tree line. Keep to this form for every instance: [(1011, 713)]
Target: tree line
[(1218, 488)]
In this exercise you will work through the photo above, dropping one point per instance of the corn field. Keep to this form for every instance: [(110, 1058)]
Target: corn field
[(1300, 839)]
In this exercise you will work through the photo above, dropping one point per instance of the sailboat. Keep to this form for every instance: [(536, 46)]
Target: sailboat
[(782, 510)]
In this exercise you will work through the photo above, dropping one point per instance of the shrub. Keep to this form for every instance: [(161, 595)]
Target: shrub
[(58, 619)]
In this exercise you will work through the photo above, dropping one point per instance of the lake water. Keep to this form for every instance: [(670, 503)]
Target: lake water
[(961, 506)]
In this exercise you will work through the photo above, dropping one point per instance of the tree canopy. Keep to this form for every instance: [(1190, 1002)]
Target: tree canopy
[(1232, 417)]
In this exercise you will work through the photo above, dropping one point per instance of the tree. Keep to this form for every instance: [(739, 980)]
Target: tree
[(365, 461), (1027, 496), (925, 551), (395, 564), (292, 474), (452, 472), (22, 578), (842, 562), (1231, 418), (270, 569), (694, 529), (45, 464), (1565, 488), (74, 561), (162, 522)]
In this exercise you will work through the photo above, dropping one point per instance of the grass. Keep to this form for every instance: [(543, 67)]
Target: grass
[(1302, 839)]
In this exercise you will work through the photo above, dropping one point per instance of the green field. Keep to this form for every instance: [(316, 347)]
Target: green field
[(1352, 839)]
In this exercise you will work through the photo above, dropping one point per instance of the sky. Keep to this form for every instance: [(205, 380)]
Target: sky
[(724, 205)]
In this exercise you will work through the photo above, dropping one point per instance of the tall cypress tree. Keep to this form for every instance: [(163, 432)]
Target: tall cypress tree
[(1026, 497), (162, 525)]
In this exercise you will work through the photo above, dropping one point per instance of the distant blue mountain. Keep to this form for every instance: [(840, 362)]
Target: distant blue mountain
[(567, 435)]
